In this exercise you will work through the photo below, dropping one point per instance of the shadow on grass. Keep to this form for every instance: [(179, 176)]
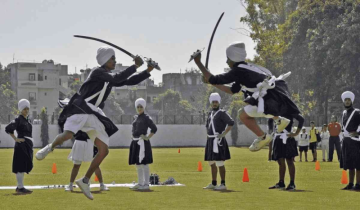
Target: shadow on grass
[(19, 193), (297, 190), (142, 191), (95, 192), (226, 191)]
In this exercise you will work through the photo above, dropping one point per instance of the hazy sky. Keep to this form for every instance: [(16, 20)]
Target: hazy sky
[(166, 30)]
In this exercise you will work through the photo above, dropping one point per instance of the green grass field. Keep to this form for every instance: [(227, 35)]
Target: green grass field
[(315, 189)]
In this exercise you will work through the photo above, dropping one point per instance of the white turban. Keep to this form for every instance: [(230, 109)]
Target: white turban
[(236, 52), (104, 54), (215, 97), (348, 94), (23, 103), (140, 101)]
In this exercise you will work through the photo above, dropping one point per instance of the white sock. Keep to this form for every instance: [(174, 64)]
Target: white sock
[(101, 183), (71, 184), (146, 174), (140, 171), (20, 180)]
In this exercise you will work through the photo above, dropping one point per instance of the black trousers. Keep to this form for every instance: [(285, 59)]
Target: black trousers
[(334, 141)]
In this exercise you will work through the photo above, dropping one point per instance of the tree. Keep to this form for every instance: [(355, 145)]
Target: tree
[(171, 103), (236, 104), (112, 108), (185, 108), (314, 39), (74, 87), (44, 127), (8, 103)]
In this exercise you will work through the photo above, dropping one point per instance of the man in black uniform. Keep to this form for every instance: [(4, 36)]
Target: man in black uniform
[(284, 148), (350, 151), (218, 124)]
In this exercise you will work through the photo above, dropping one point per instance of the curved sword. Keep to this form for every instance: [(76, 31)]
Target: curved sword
[(195, 54), (212, 36), (149, 61), (108, 43)]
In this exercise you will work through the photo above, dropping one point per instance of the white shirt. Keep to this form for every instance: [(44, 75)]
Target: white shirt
[(325, 136), (303, 139)]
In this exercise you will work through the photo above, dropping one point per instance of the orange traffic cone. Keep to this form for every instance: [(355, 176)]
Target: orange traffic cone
[(246, 175), (179, 151), (54, 168), (317, 166), (344, 179), (96, 179), (199, 166)]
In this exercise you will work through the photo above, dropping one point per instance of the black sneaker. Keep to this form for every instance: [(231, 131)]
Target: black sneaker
[(348, 187), (291, 187), (279, 185), (357, 187), (23, 190)]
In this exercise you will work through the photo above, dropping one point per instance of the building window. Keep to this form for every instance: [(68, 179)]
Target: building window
[(32, 77), (32, 96), (45, 77), (45, 93), (60, 82), (118, 94), (148, 99)]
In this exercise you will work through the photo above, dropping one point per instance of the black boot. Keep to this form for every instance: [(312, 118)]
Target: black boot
[(291, 186), (357, 187), (280, 185), (348, 187)]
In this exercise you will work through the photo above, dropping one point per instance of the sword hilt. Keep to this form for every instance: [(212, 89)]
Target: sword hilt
[(152, 63), (195, 54)]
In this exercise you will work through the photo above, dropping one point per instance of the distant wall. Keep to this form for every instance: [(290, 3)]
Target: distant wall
[(167, 136)]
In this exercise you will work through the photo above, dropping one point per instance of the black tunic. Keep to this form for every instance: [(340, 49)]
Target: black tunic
[(221, 120), (277, 101), (140, 127), (288, 150), (350, 150), (23, 152), (94, 83), (81, 136)]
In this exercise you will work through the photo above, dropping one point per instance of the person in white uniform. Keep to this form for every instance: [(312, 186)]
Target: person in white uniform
[(325, 136), (303, 144)]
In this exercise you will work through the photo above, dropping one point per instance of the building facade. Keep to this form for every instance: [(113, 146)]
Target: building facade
[(40, 83)]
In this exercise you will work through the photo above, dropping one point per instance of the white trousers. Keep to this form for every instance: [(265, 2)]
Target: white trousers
[(143, 172), (325, 149), (252, 112)]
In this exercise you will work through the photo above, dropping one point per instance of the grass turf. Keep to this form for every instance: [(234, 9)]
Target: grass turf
[(315, 189)]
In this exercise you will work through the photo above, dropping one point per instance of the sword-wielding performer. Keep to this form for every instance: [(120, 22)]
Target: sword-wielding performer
[(83, 111), (350, 151), (218, 124), (267, 96)]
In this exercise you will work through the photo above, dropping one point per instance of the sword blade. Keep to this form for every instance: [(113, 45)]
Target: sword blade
[(212, 37), (108, 43)]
